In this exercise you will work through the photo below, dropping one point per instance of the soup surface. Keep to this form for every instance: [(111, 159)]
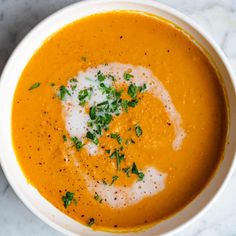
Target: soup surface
[(119, 120)]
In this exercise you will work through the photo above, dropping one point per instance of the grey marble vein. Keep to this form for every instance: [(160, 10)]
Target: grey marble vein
[(17, 17)]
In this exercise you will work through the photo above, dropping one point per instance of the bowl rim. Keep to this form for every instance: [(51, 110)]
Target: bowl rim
[(164, 8)]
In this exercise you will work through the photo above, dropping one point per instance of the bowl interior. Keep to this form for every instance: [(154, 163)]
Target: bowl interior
[(28, 194)]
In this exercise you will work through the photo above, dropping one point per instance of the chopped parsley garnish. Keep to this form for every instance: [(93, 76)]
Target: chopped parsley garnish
[(77, 143), (64, 137), (92, 113), (92, 136), (138, 130), (111, 77), (129, 141), (73, 87), (142, 88), (133, 102), (34, 86), (84, 95), (127, 76), (108, 151), (63, 91), (68, 198), (91, 221), (119, 157), (98, 197), (137, 172), (117, 137), (125, 105), (73, 80), (127, 171), (114, 178), (104, 182), (100, 76), (132, 90)]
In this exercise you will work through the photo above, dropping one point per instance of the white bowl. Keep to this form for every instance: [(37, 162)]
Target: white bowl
[(11, 74)]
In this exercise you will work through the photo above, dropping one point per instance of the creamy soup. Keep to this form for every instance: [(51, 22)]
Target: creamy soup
[(119, 120)]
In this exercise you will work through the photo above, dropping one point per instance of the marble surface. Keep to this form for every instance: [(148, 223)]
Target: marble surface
[(17, 17)]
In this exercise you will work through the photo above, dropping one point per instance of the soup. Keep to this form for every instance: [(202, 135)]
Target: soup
[(119, 120)]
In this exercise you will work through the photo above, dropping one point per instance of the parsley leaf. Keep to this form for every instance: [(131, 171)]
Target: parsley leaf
[(97, 197), (108, 151), (100, 76), (135, 171), (132, 90), (78, 144), (91, 221), (92, 113), (125, 105), (142, 88), (117, 137), (114, 178), (64, 137), (133, 102), (67, 199), (119, 157), (92, 137), (138, 130), (63, 92), (129, 141), (83, 94), (127, 171), (34, 86), (127, 76)]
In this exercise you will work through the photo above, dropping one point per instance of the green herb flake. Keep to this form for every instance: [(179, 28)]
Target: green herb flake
[(73, 80), (82, 103), (97, 197), (64, 137), (114, 179), (138, 130), (137, 172), (127, 171), (83, 95), (127, 76), (142, 88), (91, 221), (73, 87), (133, 102), (124, 105), (34, 86), (93, 137), (92, 113), (77, 143), (100, 76), (119, 157), (129, 141), (104, 182), (111, 77), (67, 199), (108, 151), (132, 90), (117, 137), (63, 91)]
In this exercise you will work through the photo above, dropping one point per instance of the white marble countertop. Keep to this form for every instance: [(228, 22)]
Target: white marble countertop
[(17, 17)]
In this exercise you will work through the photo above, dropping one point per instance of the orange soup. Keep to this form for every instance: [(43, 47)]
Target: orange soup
[(119, 120)]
